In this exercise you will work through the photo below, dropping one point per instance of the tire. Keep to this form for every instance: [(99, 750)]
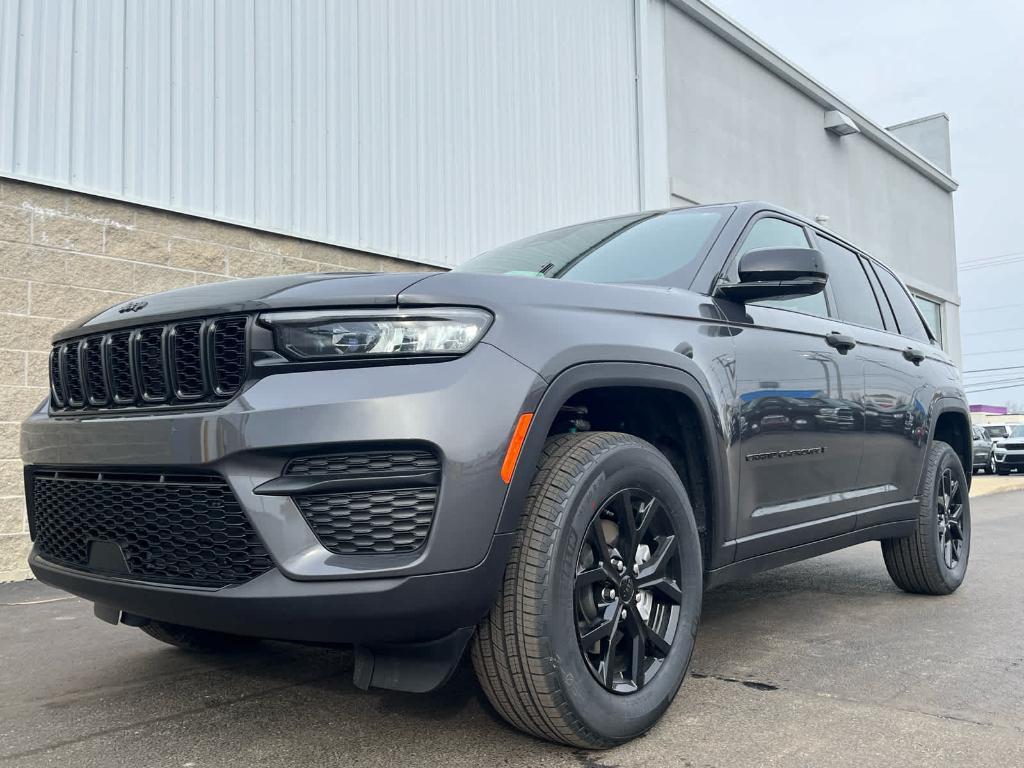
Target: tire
[(529, 653), (924, 563), (1001, 471), (195, 640), (990, 468)]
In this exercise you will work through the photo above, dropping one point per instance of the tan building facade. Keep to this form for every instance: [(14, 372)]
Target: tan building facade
[(64, 255)]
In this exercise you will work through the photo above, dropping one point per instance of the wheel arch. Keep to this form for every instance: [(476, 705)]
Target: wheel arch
[(607, 377), (951, 424)]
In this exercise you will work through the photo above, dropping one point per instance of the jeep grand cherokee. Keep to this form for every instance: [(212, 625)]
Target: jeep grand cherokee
[(545, 456)]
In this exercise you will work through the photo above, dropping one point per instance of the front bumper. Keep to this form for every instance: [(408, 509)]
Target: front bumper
[(1009, 459), (465, 408), (376, 610)]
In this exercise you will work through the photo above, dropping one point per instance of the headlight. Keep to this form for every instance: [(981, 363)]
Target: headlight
[(376, 333)]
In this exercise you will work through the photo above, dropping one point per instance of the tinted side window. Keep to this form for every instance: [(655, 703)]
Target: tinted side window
[(855, 301), (776, 233), (902, 306), (883, 304)]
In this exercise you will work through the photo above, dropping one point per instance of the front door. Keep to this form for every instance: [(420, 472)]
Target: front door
[(799, 413)]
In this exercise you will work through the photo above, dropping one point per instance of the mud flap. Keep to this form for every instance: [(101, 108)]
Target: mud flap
[(410, 667)]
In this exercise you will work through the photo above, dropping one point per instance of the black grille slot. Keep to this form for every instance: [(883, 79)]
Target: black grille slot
[(366, 463), (190, 383), (152, 371), (229, 355), (95, 378), (56, 380), (371, 522), (121, 378), (191, 362), (73, 375), (186, 530)]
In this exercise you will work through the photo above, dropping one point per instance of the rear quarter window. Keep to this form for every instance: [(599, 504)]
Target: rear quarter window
[(903, 306)]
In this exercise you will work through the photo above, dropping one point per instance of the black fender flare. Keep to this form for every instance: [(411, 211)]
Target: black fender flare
[(584, 376), (946, 404)]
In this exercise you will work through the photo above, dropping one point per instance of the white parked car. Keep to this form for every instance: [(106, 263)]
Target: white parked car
[(1009, 450)]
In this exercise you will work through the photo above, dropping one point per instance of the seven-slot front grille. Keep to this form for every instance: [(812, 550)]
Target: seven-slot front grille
[(383, 501), (177, 529), (189, 362)]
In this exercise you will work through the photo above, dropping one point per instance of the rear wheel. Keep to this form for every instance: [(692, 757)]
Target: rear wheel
[(193, 639), (592, 633), (933, 559)]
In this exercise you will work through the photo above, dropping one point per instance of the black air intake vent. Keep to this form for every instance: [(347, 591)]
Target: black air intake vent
[(186, 363), (177, 529), (365, 501), (371, 521), (366, 463)]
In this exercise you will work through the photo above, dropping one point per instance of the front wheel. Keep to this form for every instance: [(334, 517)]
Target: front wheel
[(592, 633), (933, 559)]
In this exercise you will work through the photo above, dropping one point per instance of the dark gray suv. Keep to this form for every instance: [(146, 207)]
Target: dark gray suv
[(545, 456)]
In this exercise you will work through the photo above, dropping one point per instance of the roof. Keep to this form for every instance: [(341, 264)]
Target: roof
[(732, 33)]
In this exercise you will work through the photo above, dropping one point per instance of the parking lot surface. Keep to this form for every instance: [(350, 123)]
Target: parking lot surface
[(820, 663)]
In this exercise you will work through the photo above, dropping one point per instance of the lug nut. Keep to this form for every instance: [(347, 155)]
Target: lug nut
[(636, 569), (623, 614), (608, 593), (638, 597)]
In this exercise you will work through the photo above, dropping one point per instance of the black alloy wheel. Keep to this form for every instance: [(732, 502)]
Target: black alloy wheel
[(627, 592), (950, 506), (932, 559)]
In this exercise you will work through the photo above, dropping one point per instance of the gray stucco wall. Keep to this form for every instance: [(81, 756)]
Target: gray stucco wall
[(738, 131)]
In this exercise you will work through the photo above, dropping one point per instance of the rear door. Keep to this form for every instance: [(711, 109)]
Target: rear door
[(799, 420), (901, 374)]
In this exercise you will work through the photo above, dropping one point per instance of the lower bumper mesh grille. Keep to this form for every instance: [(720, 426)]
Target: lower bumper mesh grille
[(387, 502), (184, 530), (371, 521)]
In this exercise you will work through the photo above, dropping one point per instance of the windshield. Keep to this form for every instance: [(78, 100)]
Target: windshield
[(997, 431), (662, 248)]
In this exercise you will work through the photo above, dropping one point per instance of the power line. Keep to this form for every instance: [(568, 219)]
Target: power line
[(1002, 386), (991, 264), (991, 382), (986, 370), (1006, 258), (987, 259)]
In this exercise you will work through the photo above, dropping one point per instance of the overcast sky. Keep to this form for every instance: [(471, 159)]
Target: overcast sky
[(895, 60)]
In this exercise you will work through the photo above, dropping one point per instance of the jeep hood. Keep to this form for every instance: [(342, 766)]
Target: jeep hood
[(307, 291)]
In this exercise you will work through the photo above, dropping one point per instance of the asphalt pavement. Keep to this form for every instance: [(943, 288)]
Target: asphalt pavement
[(824, 663)]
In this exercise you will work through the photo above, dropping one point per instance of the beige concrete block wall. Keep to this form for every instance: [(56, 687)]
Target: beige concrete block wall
[(64, 255)]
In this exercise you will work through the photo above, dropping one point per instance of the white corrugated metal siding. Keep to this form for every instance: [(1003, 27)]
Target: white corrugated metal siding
[(427, 129)]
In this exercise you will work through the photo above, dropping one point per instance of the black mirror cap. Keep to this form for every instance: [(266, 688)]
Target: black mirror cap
[(777, 273), (764, 264)]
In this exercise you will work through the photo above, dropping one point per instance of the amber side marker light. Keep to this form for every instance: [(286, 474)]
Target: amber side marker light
[(515, 445)]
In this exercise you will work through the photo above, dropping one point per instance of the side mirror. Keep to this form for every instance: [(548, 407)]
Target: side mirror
[(776, 273)]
